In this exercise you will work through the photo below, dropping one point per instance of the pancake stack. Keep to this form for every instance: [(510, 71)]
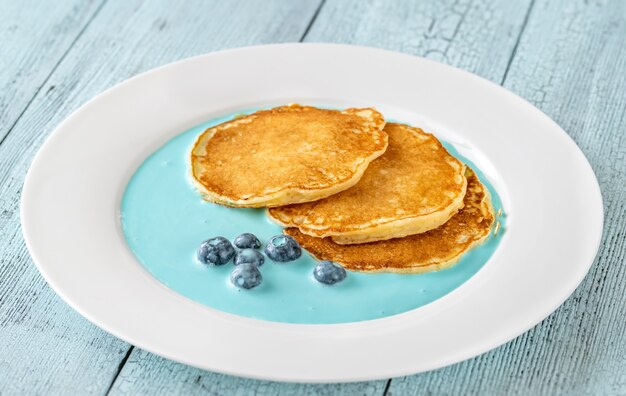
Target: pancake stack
[(350, 188)]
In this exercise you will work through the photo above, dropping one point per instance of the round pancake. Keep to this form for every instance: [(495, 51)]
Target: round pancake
[(414, 187), (433, 250), (286, 155)]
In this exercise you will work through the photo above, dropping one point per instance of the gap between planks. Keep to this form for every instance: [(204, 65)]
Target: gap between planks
[(313, 19), (119, 368), (519, 39)]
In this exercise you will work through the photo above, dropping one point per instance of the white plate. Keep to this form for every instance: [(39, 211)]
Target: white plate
[(72, 194)]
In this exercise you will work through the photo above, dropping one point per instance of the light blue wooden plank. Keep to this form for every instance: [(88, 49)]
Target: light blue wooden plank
[(47, 347), (474, 35), (34, 36), (571, 63), (147, 374)]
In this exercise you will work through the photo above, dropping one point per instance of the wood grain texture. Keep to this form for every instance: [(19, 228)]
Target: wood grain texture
[(571, 63), (46, 347), (34, 37), (147, 374), (474, 35)]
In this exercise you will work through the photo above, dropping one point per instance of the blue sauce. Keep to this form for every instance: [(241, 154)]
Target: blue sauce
[(164, 220)]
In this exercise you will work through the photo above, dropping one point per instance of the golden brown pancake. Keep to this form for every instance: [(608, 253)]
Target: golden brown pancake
[(286, 155), (429, 251), (414, 187)]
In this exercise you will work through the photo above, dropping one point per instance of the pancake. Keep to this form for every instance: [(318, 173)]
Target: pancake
[(286, 155), (429, 251), (414, 187)]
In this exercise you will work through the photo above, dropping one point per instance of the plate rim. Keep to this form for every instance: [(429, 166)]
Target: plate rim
[(29, 186)]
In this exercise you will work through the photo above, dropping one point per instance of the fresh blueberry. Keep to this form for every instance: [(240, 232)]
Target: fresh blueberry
[(246, 276), (216, 251), (329, 273), (249, 256), (283, 248), (247, 241)]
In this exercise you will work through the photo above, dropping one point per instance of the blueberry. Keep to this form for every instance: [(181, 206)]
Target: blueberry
[(283, 248), (249, 256), (216, 251), (246, 276), (329, 273), (246, 241)]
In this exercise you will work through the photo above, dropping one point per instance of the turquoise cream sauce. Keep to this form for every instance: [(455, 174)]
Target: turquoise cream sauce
[(164, 221)]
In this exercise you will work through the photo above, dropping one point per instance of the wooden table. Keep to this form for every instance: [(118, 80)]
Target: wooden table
[(568, 57)]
